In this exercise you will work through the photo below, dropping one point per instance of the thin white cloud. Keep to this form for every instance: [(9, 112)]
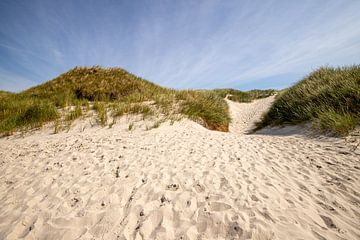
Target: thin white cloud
[(242, 52), (12, 82), (187, 44)]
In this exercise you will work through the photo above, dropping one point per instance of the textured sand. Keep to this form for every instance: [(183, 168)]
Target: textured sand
[(179, 182)]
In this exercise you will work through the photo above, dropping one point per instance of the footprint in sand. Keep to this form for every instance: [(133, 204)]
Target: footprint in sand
[(172, 187), (328, 221), (199, 188)]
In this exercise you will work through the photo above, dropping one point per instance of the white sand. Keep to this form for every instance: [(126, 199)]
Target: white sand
[(178, 182)]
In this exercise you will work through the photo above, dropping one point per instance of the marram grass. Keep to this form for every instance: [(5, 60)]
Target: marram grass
[(329, 98), (114, 90)]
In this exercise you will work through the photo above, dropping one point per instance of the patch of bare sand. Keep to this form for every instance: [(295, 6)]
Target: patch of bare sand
[(178, 182)]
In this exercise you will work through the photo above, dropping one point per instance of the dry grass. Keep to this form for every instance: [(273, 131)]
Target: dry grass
[(21, 113), (101, 109), (74, 114), (120, 109)]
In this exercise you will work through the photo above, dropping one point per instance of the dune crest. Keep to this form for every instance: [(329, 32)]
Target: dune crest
[(178, 181)]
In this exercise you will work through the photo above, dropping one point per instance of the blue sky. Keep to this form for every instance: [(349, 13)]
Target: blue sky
[(180, 44)]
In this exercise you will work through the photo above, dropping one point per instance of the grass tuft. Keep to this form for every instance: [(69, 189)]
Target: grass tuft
[(101, 110), (208, 108), (339, 123), (74, 114), (131, 126), (120, 109)]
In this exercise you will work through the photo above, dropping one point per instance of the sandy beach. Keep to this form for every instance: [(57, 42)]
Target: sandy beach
[(179, 181)]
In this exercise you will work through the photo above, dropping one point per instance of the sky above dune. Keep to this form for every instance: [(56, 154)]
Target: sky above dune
[(179, 44)]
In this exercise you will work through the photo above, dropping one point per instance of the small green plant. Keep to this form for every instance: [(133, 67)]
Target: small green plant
[(74, 114), (57, 126), (131, 126), (101, 110), (121, 109), (67, 125), (156, 124), (112, 123), (85, 103)]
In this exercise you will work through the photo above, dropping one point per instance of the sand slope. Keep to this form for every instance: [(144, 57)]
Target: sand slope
[(178, 182)]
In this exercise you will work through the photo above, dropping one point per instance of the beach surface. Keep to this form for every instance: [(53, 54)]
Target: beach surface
[(179, 181)]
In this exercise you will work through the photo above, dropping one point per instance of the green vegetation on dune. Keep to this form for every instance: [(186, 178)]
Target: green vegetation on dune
[(121, 109), (100, 108), (111, 89), (95, 84), (207, 107), (116, 92), (241, 96), (75, 113), (18, 111), (328, 97)]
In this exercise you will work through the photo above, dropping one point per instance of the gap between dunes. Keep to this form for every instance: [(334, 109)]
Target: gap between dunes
[(245, 115), (179, 181)]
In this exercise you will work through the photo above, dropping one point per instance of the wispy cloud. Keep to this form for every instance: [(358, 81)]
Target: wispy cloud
[(181, 44), (13, 82)]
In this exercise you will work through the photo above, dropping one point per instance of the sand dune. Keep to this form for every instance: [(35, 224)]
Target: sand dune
[(178, 182)]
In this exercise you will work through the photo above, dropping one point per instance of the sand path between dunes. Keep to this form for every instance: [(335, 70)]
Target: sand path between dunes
[(178, 182), (245, 115)]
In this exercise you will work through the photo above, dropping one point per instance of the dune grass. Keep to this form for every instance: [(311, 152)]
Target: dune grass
[(101, 109), (241, 96), (109, 89), (329, 98), (74, 114), (121, 109), (18, 112), (208, 109), (116, 91)]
